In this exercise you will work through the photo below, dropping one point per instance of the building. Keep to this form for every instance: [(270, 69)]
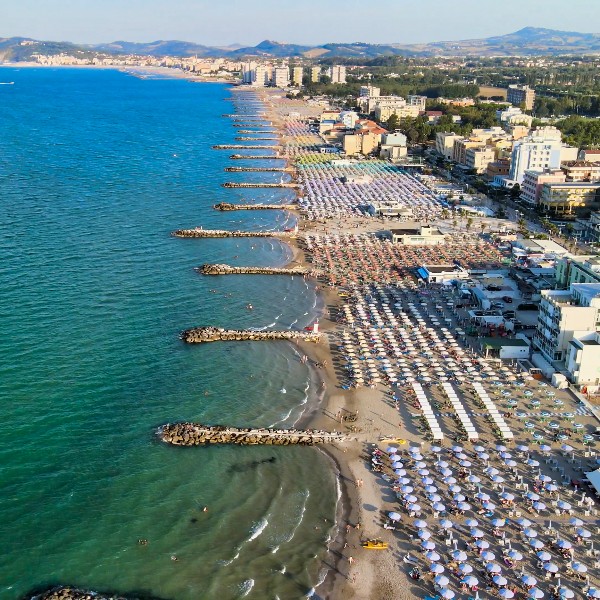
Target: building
[(393, 146), (577, 269), (456, 101), (461, 145), (582, 359), (513, 115), (361, 142), (338, 74), (261, 76), (504, 348), (499, 168), (521, 94), (478, 159), (315, 74), (281, 77), (402, 110), (531, 188), (541, 151), (248, 72), (444, 143), (569, 200), (417, 101), (297, 75), (581, 170), (369, 91), (390, 208), (590, 155), (441, 273), (418, 235), (565, 314), (591, 228)]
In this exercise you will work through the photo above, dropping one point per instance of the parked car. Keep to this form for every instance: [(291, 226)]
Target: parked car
[(507, 299), (527, 306), (497, 305), (509, 314), (493, 288)]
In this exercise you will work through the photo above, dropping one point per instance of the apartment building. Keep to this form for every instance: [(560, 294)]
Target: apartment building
[(577, 269), (531, 188), (565, 314), (568, 200), (581, 170), (297, 75), (281, 77), (338, 74), (521, 94), (444, 143), (315, 74), (478, 159)]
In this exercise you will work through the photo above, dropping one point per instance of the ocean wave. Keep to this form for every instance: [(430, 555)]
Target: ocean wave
[(258, 529), (302, 510), (246, 587)]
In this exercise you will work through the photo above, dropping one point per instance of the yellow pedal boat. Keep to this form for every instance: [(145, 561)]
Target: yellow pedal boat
[(374, 545)]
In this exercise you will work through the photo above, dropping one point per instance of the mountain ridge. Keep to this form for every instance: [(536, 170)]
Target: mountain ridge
[(532, 41)]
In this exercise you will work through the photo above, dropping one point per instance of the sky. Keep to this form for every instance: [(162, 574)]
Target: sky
[(312, 22)]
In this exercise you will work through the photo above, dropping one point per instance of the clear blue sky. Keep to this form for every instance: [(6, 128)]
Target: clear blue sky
[(222, 22)]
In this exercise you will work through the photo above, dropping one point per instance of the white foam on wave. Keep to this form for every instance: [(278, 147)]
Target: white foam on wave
[(226, 563), (278, 316), (287, 539), (258, 529), (246, 587)]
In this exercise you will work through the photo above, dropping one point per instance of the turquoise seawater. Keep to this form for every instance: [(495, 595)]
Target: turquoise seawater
[(96, 169)]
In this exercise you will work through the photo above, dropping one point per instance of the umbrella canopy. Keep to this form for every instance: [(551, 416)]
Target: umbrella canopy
[(492, 567), (564, 592), (428, 545), (537, 544), (446, 524), (394, 516), (482, 544), (464, 568), (499, 580), (584, 533), (424, 534), (544, 556), (514, 555), (476, 533), (470, 580), (575, 522), (535, 593), (528, 579), (530, 533), (446, 593), (551, 567), (579, 568), (593, 593), (459, 555), (436, 568), (420, 524), (432, 556), (506, 593), (564, 544), (488, 556), (472, 523), (442, 580)]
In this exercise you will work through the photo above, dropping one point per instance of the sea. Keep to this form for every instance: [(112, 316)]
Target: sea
[(97, 167)]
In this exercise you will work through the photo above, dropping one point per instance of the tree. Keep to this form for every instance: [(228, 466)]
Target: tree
[(445, 214), (515, 191), (483, 227), (469, 223), (392, 123)]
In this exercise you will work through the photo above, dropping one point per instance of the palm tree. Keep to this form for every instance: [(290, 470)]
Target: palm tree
[(483, 226), (469, 223)]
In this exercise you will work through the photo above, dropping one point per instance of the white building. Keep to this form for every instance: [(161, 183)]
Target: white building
[(349, 118), (565, 315), (513, 115), (418, 235), (281, 77), (418, 101), (444, 143), (583, 359), (369, 91), (261, 76), (338, 74)]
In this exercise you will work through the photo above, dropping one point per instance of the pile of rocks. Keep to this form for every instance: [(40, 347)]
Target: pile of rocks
[(73, 593), (226, 206), (219, 269), (230, 184), (195, 434), (222, 233), (200, 335)]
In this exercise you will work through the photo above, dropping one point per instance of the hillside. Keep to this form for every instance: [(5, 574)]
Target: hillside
[(527, 41)]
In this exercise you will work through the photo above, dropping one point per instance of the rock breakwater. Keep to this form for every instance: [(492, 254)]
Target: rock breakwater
[(65, 592), (221, 269), (244, 147), (203, 335), (226, 206), (259, 170), (252, 157), (195, 434), (256, 139), (230, 184), (222, 233)]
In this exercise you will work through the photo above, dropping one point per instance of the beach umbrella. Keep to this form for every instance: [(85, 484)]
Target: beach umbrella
[(544, 556), (507, 496), (532, 496), (488, 556), (472, 523), (395, 459), (427, 481), (459, 497), (476, 533), (593, 593), (579, 568), (438, 507), (449, 480), (464, 568), (455, 489), (498, 479), (424, 534), (400, 473), (407, 489), (566, 448), (584, 533), (431, 489), (459, 555), (492, 567), (528, 579), (479, 449), (563, 505), (410, 498), (446, 593), (482, 496), (523, 522), (551, 567), (391, 449), (564, 544), (428, 545), (446, 472), (482, 544), (533, 463), (499, 580), (506, 593), (564, 592), (473, 479), (414, 508), (536, 544), (535, 593), (575, 522), (483, 455), (470, 581), (489, 506), (515, 555), (420, 524), (465, 463), (432, 556), (435, 449), (434, 497), (498, 522), (436, 568), (530, 533), (394, 516), (446, 524), (522, 448), (550, 487), (442, 580), (539, 506), (463, 506)]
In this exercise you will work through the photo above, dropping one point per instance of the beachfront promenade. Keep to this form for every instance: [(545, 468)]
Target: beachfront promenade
[(195, 434)]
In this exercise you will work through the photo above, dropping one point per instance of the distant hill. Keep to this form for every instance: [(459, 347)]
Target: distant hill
[(527, 41)]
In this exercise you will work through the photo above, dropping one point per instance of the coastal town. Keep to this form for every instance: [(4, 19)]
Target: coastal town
[(460, 341), (453, 243)]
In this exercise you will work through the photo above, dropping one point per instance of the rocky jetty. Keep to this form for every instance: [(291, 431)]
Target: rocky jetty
[(261, 125), (252, 117), (202, 335), (222, 233), (256, 139), (252, 157), (230, 184), (259, 170), (72, 593), (221, 269), (258, 131), (244, 147), (226, 206), (195, 434)]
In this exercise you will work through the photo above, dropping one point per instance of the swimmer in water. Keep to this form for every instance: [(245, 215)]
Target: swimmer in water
[(249, 306)]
